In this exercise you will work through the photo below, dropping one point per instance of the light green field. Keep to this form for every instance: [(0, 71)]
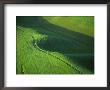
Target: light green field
[(55, 45)]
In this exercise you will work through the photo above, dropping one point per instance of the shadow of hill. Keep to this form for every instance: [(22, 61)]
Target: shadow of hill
[(61, 40), (35, 22)]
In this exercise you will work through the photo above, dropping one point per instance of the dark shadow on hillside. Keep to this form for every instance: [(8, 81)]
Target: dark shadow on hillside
[(38, 22), (61, 40)]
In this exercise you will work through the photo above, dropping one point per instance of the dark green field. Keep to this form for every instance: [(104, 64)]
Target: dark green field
[(55, 45)]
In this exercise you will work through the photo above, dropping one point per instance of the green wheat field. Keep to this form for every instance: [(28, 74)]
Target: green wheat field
[(55, 45)]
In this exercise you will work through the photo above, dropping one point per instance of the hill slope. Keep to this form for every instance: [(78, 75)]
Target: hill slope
[(45, 46), (84, 25)]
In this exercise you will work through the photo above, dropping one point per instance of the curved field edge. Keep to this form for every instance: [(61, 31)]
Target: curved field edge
[(34, 59), (81, 24)]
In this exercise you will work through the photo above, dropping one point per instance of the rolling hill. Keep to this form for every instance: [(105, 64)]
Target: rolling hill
[(55, 45)]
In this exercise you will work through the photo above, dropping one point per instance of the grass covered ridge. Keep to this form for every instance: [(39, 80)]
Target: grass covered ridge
[(55, 45)]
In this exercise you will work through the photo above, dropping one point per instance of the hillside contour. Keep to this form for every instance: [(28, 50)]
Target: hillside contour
[(54, 45)]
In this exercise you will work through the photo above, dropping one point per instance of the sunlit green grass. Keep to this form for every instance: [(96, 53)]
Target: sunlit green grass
[(82, 24), (49, 45)]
